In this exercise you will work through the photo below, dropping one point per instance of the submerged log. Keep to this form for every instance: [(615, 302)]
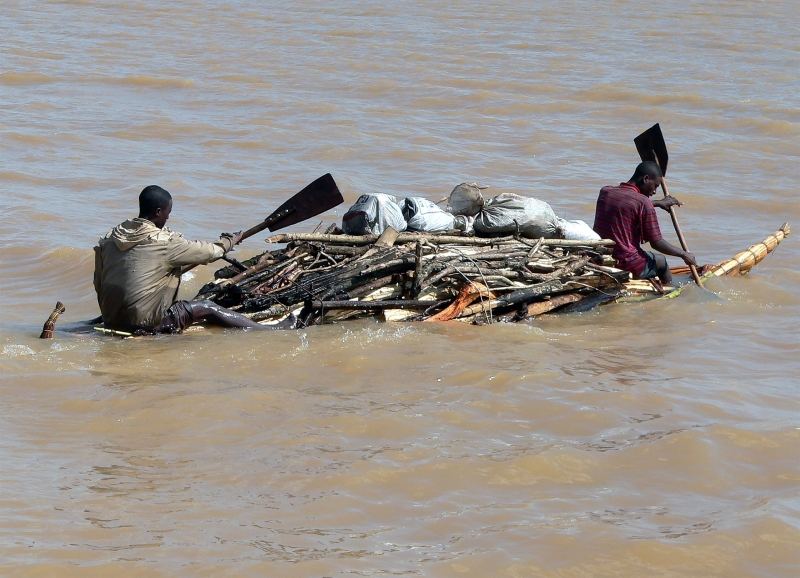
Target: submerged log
[(50, 324)]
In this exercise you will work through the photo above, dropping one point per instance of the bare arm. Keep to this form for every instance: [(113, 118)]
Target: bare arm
[(667, 202), (663, 246)]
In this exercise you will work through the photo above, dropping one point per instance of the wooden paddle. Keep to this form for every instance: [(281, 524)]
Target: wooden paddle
[(651, 147), (317, 197)]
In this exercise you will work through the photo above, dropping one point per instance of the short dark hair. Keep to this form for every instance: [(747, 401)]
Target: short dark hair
[(152, 198), (646, 169)]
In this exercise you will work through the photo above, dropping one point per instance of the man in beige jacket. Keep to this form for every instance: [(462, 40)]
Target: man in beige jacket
[(138, 266)]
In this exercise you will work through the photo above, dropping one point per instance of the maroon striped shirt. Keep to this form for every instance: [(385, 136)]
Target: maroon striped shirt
[(627, 217)]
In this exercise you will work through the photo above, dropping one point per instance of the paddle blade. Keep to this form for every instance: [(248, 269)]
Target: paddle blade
[(651, 147), (316, 198)]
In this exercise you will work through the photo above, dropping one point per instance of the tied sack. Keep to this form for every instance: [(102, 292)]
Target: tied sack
[(576, 230), (508, 213), (426, 216), (371, 214), (466, 199)]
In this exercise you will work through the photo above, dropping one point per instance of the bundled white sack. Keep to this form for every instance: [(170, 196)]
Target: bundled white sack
[(371, 214), (508, 213), (466, 199), (576, 230), (426, 216)]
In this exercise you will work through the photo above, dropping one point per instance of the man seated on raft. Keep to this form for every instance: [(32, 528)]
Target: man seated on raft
[(626, 215), (138, 266)]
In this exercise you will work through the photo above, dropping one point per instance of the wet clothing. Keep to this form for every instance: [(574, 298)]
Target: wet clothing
[(627, 217), (178, 317), (650, 269), (183, 313), (138, 271)]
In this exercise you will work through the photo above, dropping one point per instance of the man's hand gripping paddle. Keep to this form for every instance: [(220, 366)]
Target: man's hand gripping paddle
[(317, 197), (651, 147)]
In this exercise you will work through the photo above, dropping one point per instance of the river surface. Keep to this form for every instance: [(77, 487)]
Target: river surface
[(657, 440)]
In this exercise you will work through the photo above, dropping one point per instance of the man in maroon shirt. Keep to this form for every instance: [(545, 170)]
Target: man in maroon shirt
[(626, 215)]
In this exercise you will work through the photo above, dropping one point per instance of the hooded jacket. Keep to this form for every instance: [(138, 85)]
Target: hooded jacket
[(137, 271)]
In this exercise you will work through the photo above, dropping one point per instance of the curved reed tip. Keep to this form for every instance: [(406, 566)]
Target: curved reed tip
[(786, 229), (50, 324)]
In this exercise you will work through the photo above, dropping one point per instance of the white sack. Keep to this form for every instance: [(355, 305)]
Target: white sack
[(372, 214), (426, 216), (508, 213), (576, 230)]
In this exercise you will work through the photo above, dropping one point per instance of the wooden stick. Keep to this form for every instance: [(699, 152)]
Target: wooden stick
[(367, 288), (674, 217), (403, 238), (417, 281), (517, 297), (468, 294), (115, 332), (387, 238), (677, 227), (379, 304), (541, 307)]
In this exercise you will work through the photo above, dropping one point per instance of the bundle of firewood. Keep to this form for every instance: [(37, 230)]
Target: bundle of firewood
[(328, 277)]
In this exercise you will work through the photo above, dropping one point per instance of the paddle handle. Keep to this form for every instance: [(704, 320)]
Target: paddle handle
[(692, 268), (269, 221)]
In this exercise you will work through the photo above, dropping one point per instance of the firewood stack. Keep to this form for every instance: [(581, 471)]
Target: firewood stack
[(325, 278)]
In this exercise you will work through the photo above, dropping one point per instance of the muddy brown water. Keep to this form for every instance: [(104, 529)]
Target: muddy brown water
[(652, 439)]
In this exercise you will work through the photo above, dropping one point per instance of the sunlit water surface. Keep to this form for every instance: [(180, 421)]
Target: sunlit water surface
[(654, 439)]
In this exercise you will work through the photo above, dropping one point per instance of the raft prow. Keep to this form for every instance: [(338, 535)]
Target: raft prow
[(741, 263), (738, 265)]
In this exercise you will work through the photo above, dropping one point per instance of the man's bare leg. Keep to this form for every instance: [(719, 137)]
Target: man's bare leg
[(184, 313)]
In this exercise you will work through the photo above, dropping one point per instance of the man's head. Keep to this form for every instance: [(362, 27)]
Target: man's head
[(647, 177), (155, 204)]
